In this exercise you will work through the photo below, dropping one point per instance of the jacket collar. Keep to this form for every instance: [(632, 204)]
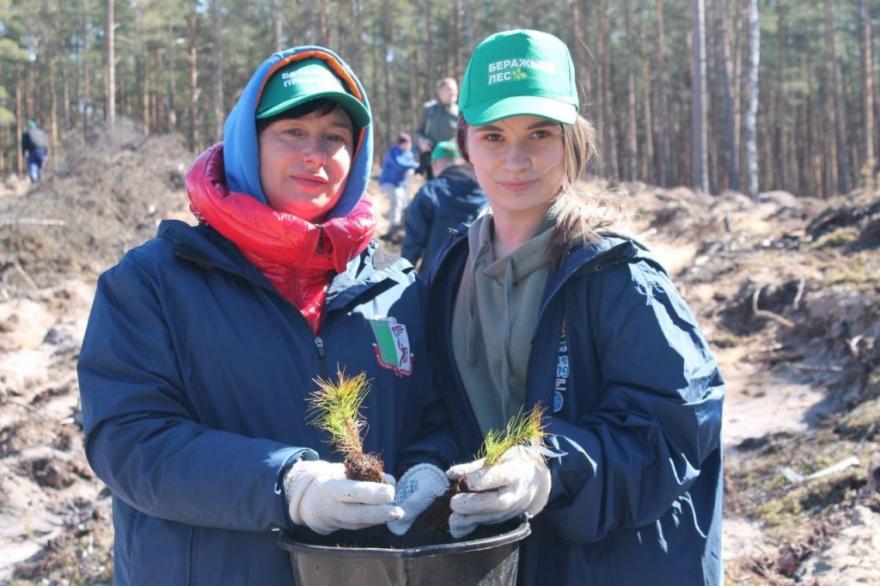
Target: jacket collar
[(205, 247), (609, 249)]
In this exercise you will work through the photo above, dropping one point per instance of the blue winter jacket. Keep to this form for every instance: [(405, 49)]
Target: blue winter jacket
[(634, 402), (453, 198), (194, 374), (395, 166)]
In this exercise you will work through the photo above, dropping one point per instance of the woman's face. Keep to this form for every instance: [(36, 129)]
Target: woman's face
[(518, 162), (304, 162)]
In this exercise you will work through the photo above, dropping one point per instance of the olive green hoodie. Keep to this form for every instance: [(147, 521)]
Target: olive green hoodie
[(496, 313)]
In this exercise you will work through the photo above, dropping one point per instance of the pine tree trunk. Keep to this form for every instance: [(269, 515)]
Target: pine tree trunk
[(577, 51), (831, 179), (217, 69), (780, 156), (192, 58), (85, 83), (731, 149), (65, 97), (391, 91), (631, 150), (429, 52), (663, 167), (171, 82), (607, 116), (699, 162), (868, 92), (647, 167), (752, 112), (53, 113), (457, 68), (110, 90), (19, 122), (143, 75)]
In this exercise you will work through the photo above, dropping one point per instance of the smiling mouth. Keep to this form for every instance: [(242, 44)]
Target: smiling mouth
[(517, 185)]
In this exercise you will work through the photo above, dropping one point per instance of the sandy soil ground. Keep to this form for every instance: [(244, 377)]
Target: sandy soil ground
[(786, 289)]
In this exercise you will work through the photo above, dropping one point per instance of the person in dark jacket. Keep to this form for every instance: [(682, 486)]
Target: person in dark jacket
[(203, 345), (451, 199), (539, 303), (35, 145), (439, 117)]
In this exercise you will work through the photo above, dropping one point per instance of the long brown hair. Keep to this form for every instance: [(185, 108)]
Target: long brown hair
[(579, 215)]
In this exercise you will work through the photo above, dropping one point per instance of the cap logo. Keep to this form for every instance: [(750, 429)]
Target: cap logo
[(291, 78), (514, 69)]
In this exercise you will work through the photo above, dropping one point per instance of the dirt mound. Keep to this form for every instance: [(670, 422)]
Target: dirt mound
[(104, 199)]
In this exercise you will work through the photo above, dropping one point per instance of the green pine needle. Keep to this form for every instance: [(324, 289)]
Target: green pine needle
[(523, 429), (335, 408)]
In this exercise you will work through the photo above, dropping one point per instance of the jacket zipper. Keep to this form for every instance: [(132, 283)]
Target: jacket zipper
[(319, 346)]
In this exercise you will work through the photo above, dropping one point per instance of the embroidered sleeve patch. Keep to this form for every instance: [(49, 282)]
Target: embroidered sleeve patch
[(392, 345)]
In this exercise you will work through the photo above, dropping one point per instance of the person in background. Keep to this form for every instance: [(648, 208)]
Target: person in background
[(452, 198), (540, 302), (203, 346), (397, 165), (438, 121), (35, 145)]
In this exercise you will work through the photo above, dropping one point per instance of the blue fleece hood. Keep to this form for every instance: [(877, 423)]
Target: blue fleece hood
[(241, 152)]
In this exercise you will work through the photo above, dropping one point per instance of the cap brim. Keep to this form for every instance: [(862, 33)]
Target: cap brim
[(358, 112), (493, 110)]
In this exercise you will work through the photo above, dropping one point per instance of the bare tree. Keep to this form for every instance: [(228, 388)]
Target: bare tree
[(839, 161), (699, 159), (731, 146), (663, 167), (110, 87), (868, 89), (752, 112), (192, 57), (217, 69), (631, 148)]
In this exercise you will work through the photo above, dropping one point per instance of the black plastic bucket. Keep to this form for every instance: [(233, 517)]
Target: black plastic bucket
[(487, 558)]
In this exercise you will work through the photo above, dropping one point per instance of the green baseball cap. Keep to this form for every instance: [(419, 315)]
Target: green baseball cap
[(519, 73), (306, 80), (445, 149)]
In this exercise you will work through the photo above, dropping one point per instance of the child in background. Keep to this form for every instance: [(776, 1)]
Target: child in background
[(398, 164)]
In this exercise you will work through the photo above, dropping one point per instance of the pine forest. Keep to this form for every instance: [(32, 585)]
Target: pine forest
[(782, 86)]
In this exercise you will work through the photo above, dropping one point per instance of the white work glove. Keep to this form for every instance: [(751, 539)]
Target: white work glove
[(518, 483), (416, 490), (320, 497)]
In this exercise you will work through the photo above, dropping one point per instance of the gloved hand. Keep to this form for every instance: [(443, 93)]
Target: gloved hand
[(320, 497), (416, 490), (518, 483)]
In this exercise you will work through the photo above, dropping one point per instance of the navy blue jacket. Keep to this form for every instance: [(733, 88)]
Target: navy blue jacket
[(194, 374), (453, 198), (634, 402)]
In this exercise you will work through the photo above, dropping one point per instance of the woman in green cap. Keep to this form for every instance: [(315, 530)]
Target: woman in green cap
[(203, 345), (538, 302)]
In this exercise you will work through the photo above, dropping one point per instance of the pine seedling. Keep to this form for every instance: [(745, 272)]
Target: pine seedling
[(335, 408), (523, 429)]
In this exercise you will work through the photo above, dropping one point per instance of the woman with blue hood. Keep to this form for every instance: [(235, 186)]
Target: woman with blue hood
[(203, 345)]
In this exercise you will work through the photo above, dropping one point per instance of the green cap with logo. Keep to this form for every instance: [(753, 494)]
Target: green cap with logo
[(307, 80), (519, 73), (445, 149)]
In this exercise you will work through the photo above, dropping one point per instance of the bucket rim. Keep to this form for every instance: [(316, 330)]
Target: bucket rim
[(517, 534)]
